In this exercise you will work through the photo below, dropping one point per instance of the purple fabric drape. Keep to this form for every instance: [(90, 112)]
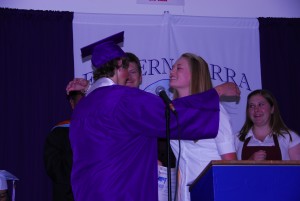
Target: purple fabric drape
[(280, 61), (36, 63)]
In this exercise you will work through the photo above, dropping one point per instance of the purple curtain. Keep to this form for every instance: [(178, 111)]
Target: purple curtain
[(280, 61), (36, 63)]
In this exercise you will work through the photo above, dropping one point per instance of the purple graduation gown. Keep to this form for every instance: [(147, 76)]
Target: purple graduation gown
[(114, 133)]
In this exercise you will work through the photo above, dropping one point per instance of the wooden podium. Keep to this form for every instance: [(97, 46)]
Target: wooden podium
[(248, 181)]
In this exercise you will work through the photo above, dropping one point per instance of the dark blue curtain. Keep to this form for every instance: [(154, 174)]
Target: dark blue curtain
[(280, 64), (36, 63)]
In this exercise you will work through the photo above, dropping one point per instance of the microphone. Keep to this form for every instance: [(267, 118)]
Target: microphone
[(160, 91)]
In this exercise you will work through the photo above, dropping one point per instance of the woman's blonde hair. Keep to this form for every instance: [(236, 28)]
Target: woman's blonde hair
[(200, 80)]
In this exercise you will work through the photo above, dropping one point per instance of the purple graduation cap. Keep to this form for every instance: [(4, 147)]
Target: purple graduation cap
[(104, 50)]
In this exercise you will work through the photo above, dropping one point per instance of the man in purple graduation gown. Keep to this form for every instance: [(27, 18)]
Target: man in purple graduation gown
[(114, 130)]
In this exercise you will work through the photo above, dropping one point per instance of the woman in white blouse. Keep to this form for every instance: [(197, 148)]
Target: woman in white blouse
[(264, 135)]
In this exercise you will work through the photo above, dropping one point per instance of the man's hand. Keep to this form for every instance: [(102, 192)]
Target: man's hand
[(78, 84), (228, 89)]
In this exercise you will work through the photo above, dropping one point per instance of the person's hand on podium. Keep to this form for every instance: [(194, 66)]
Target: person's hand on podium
[(259, 155)]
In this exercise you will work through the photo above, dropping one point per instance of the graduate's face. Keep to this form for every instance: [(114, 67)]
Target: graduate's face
[(259, 110), (134, 79), (122, 74), (180, 75)]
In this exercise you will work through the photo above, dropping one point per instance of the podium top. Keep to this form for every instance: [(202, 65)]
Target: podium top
[(251, 162)]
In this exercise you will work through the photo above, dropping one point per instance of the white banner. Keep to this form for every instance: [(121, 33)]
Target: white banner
[(229, 45)]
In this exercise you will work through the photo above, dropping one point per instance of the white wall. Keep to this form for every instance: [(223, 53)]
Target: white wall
[(216, 8)]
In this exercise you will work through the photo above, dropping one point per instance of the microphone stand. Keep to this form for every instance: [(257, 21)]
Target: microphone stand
[(167, 114)]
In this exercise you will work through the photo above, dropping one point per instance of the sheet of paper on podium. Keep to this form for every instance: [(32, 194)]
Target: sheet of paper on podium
[(163, 183)]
